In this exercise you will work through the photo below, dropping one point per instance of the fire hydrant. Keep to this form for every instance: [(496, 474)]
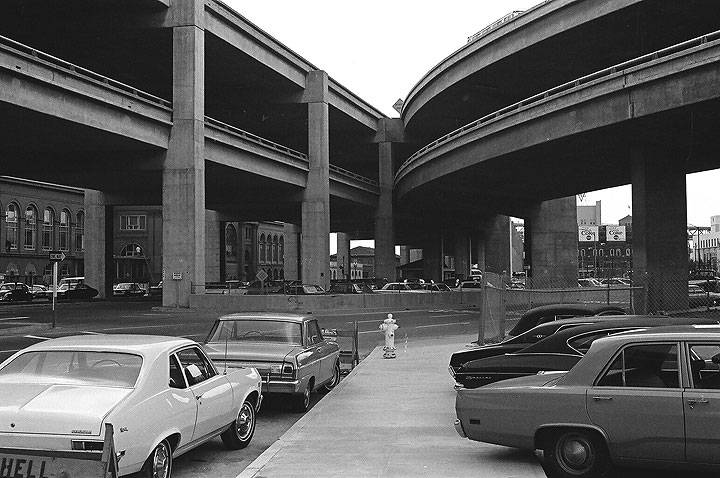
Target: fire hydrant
[(389, 327)]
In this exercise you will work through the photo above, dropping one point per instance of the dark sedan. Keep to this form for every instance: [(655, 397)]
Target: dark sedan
[(15, 292), (558, 352), (547, 313), (74, 292), (519, 342), (344, 287)]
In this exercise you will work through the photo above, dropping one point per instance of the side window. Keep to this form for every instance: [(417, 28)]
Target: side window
[(582, 343), (705, 366), (313, 333), (176, 374), (195, 365), (646, 366)]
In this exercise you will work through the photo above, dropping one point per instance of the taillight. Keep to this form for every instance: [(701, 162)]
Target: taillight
[(288, 370), (86, 445)]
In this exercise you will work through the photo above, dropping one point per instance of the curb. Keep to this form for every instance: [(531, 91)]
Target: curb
[(259, 463)]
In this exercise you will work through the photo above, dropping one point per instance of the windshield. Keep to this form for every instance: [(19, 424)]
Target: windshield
[(73, 367), (248, 330)]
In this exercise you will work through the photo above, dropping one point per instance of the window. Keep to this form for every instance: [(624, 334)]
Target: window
[(48, 231), (704, 360), (313, 333), (628, 252), (132, 250), (275, 249), (80, 231), (64, 270), (64, 230), (11, 220), (177, 379), (282, 249), (646, 366), (230, 241), (196, 366), (136, 222), (262, 247), (30, 228), (269, 249)]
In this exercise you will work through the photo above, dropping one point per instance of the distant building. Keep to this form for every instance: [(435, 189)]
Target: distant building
[(706, 245), (589, 215), (39, 218), (339, 273), (365, 257), (610, 255)]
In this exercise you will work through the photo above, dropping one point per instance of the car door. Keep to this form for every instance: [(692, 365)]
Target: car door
[(638, 402), (310, 357), (183, 405), (702, 403), (323, 351), (212, 391)]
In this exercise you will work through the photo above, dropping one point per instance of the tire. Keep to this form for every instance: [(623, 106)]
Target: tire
[(241, 431), (159, 463), (576, 454), (302, 401), (334, 380)]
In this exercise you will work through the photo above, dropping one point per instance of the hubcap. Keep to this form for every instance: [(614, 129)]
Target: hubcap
[(244, 421), (576, 454), (161, 462)]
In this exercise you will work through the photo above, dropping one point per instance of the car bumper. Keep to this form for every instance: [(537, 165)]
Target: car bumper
[(282, 387), (459, 428)]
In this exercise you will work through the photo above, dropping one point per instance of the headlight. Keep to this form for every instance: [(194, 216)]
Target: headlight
[(276, 369)]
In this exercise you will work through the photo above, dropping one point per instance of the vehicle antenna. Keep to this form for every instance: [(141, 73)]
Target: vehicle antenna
[(226, 345)]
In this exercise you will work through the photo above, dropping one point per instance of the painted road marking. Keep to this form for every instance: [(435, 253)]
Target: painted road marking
[(36, 337), (14, 318)]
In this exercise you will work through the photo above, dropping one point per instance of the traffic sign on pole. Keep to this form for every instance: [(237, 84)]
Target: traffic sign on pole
[(57, 256)]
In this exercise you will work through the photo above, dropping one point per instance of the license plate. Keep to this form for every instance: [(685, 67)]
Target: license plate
[(32, 466)]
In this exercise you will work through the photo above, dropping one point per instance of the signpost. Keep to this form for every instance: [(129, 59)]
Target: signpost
[(262, 276), (55, 257)]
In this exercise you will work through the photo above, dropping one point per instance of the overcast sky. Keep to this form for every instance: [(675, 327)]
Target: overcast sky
[(380, 49)]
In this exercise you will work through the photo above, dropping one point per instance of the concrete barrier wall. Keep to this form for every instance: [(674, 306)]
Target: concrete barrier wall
[(310, 303), (519, 299)]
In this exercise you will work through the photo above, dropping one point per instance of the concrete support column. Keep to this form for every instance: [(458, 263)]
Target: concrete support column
[(95, 257), (390, 131), (291, 253), (462, 254), (552, 236), (315, 236), (497, 244), (343, 256), (659, 234), (433, 258), (184, 168), (404, 255)]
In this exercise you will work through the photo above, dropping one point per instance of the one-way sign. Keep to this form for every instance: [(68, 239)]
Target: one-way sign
[(57, 256)]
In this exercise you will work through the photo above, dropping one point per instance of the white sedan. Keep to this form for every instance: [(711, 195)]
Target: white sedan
[(162, 395)]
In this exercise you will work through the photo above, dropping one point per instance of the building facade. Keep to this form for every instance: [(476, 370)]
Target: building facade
[(706, 245), (39, 218), (249, 247), (607, 252)]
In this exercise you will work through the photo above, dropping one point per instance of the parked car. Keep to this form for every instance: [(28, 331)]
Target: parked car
[(344, 287), (268, 287), (699, 297), (162, 395), (647, 398), (396, 287), (288, 350), (128, 289), (589, 282), (304, 289), (615, 281), (471, 284), (437, 287), (15, 292), (519, 342), (560, 351), (709, 285), (156, 289), (547, 313), (74, 291), (39, 291)]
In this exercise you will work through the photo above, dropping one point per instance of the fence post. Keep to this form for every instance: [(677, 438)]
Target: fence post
[(356, 345)]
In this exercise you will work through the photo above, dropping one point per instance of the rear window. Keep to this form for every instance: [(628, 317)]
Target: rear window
[(275, 331), (74, 367)]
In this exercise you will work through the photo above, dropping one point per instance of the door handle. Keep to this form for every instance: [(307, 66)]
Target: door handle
[(600, 398), (198, 397), (695, 401)]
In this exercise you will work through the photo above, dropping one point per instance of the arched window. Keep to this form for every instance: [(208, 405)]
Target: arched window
[(282, 250), (247, 257), (79, 231), (230, 241), (282, 274), (275, 249), (276, 274), (628, 252), (30, 228), (269, 249), (64, 230), (582, 252), (262, 247), (618, 252), (132, 250), (48, 229)]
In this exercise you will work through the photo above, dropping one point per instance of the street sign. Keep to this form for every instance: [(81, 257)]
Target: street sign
[(398, 106), (261, 275), (57, 256), (177, 276)]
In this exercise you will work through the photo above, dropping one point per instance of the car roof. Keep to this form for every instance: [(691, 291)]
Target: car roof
[(128, 343), (266, 316), (674, 332), (570, 308)]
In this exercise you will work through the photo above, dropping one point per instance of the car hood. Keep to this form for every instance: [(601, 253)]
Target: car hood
[(56, 409), (251, 351)]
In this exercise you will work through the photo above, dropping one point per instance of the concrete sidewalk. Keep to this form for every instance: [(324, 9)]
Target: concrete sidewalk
[(390, 418)]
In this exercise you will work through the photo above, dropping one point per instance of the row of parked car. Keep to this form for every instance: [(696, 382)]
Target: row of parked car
[(163, 395), (70, 288), (596, 390)]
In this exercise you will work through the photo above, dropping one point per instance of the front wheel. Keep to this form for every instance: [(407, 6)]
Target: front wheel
[(335, 378), (159, 463), (576, 454), (242, 429)]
